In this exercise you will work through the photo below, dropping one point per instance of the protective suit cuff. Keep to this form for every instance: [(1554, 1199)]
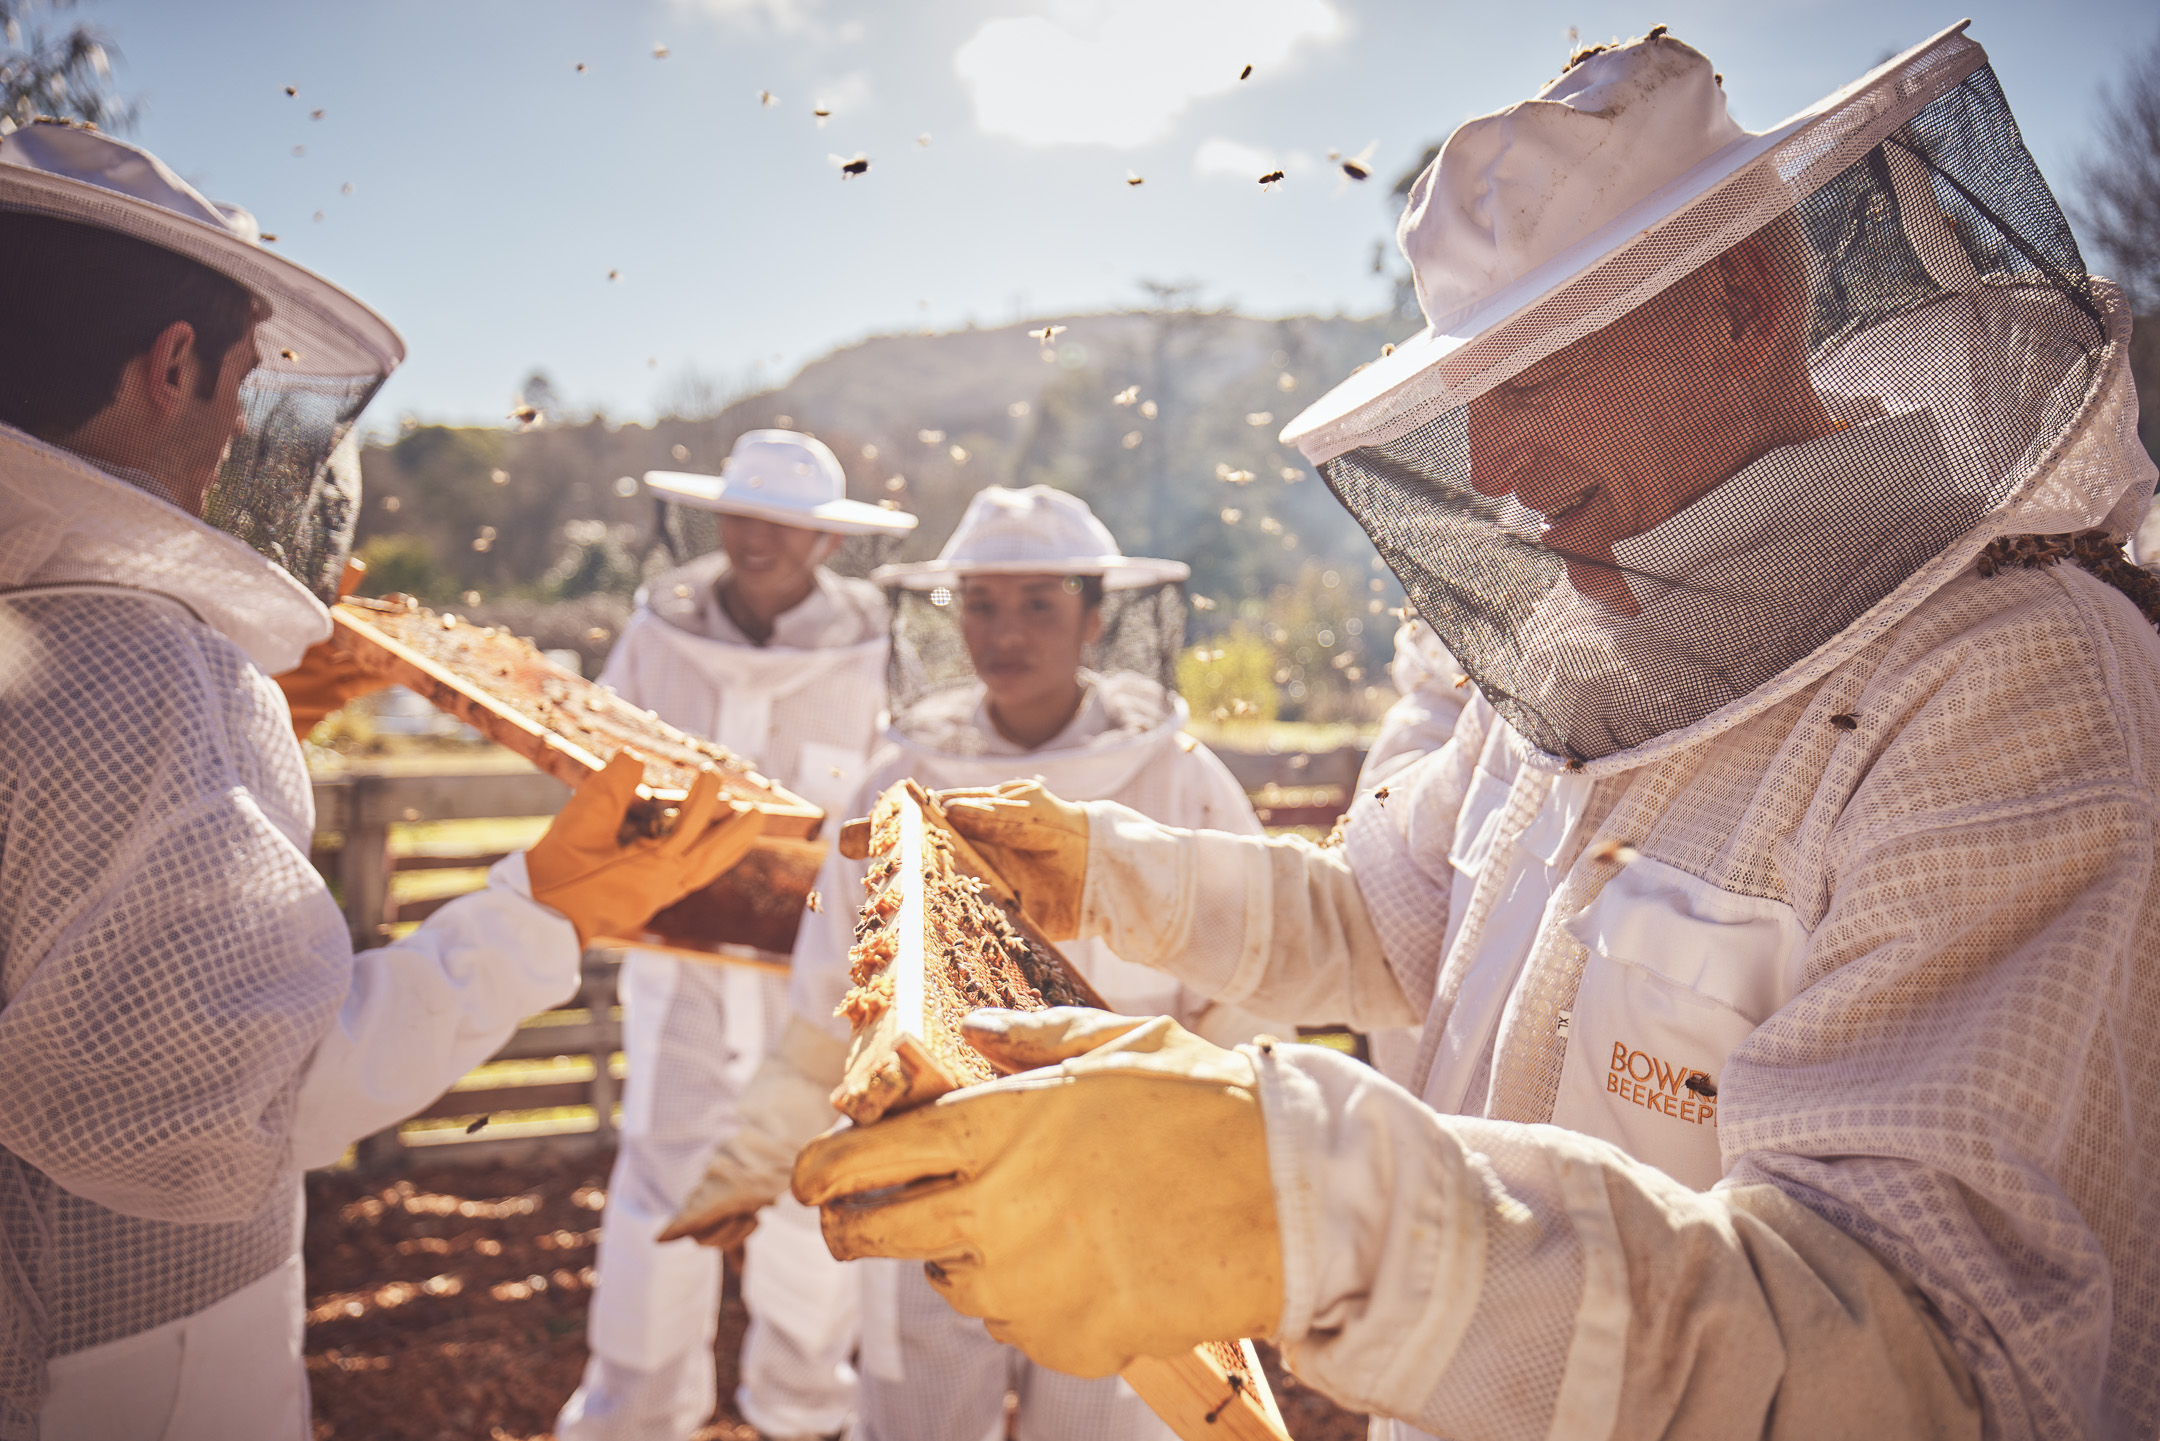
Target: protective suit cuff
[(509, 874), (1136, 897), (1382, 1218)]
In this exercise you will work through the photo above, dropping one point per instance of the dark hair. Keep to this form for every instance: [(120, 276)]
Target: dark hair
[(77, 303)]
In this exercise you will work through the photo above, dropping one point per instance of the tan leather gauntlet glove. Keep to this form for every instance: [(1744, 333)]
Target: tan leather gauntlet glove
[(1116, 1203), (609, 890), (1035, 841)]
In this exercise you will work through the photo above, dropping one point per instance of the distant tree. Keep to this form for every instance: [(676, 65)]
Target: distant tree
[(2120, 180), (63, 72)]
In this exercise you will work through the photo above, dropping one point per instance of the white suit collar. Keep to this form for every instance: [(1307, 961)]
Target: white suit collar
[(63, 519)]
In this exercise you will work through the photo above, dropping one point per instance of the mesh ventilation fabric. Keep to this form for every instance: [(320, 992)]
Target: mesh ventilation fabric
[(689, 531), (1142, 632), (1923, 329)]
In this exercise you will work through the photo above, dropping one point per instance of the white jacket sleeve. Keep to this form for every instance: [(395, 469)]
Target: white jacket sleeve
[(1482, 1279), (1274, 926), (421, 1012)]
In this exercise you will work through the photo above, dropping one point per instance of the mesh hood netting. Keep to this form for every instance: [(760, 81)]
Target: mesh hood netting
[(1940, 334), (689, 531), (933, 691), (323, 356)]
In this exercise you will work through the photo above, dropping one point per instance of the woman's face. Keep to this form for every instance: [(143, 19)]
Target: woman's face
[(1025, 635), (767, 558)]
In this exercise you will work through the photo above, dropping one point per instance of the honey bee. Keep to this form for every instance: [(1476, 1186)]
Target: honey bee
[(526, 415), (1270, 180), (292, 355), (1387, 350), (1615, 853), (1380, 795), (581, 67), (1133, 177), (860, 165), (822, 112), (269, 239), (922, 141), (1358, 166), (1355, 171), (1845, 722), (1246, 73), (292, 90), (660, 52), (1047, 334), (815, 902), (1202, 602), (475, 1127), (767, 99), (1130, 395), (1462, 680), (614, 275), (315, 115), (1701, 1085)]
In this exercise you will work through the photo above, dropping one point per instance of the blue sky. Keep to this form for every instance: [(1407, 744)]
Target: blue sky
[(494, 186)]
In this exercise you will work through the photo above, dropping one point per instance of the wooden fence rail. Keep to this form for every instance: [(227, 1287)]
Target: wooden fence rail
[(353, 817)]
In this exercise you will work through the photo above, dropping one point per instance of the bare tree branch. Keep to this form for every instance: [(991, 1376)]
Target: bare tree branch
[(66, 73), (2119, 209)]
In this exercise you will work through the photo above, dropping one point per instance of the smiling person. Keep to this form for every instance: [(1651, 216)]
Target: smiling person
[(1061, 669), (184, 1024), (756, 645), (1780, 914)]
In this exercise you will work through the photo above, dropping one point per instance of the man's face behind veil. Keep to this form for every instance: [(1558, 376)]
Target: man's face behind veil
[(1633, 423)]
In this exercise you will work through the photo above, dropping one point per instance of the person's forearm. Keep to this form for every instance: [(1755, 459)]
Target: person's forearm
[(423, 1011), (1275, 926), (1484, 1279)]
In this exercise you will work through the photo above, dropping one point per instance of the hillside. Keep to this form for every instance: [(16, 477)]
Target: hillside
[(526, 518)]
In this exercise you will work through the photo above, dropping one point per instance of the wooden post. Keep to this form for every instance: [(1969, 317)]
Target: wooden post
[(598, 996)]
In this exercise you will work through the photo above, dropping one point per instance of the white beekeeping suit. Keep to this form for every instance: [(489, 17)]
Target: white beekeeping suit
[(804, 708), (1780, 915), (183, 1022), (929, 1375), (1431, 694)]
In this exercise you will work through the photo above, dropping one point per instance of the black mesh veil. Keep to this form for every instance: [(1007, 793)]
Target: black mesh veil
[(1617, 538), (689, 531), (932, 687), (290, 486)]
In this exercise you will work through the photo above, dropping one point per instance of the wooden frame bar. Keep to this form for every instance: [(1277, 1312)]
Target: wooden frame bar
[(753, 909), (907, 1051)]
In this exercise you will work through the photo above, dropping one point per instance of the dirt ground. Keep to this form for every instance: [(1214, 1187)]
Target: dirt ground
[(449, 1301)]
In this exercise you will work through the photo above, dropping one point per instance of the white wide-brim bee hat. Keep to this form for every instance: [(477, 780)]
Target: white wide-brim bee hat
[(323, 353), (1035, 531), (1931, 302), (785, 477)]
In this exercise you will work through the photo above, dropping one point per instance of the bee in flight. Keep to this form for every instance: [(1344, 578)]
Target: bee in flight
[(1270, 180), (1047, 334)]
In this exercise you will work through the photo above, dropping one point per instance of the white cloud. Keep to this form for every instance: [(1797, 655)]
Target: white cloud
[(780, 14), (1119, 72)]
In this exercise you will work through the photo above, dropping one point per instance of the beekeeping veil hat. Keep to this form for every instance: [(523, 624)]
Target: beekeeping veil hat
[(323, 353), (1698, 411), (785, 477), (1035, 531)]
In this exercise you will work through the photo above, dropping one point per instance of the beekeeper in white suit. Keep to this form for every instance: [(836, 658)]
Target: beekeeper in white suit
[(185, 1024), (1064, 650), (758, 646), (1781, 913)]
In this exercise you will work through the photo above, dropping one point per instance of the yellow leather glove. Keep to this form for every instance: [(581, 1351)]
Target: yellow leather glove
[(1116, 1204), (328, 675), (786, 1104), (609, 890), (1035, 841)]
